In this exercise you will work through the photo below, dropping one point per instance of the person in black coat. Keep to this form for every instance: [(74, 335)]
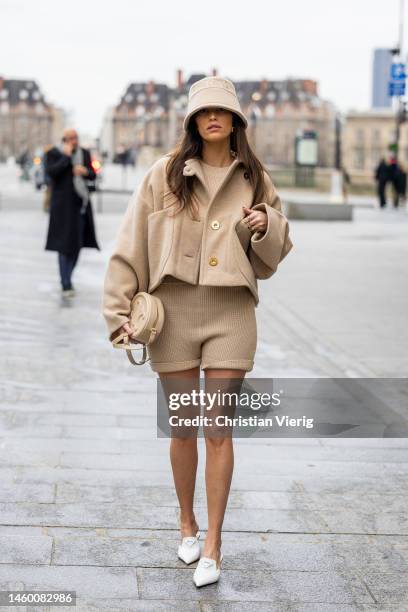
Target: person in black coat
[(397, 177), (400, 187), (382, 176), (71, 224)]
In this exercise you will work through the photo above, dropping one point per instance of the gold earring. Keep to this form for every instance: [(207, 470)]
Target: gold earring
[(232, 129)]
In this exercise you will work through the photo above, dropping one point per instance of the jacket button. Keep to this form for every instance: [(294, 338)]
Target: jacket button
[(246, 176), (213, 261), (215, 224)]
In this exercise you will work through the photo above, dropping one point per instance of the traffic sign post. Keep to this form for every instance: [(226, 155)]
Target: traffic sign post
[(396, 84), (397, 89), (398, 72)]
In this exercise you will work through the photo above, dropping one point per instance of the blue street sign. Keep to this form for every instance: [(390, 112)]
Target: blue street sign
[(396, 88), (398, 72)]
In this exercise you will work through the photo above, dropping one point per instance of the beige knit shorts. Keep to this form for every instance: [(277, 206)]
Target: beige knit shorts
[(214, 327)]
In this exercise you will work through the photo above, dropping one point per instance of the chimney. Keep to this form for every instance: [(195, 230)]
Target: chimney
[(214, 72), (150, 88), (263, 86), (310, 87), (180, 80)]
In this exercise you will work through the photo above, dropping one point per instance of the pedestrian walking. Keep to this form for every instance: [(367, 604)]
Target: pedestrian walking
[(404, 185), (345, 184), (400, 189), (382, 176), (47, 182), (202, 228), (71, 224), (25, 162), (396, 178)]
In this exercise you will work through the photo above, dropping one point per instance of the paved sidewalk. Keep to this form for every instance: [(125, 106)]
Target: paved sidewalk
[(86, 495)]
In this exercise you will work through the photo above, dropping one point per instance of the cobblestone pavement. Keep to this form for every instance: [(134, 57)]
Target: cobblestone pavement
[(86, 495)]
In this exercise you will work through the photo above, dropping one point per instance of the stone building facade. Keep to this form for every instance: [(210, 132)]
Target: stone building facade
[(27, 121), (366, 137)]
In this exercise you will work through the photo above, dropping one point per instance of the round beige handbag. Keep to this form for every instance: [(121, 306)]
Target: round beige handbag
[(146, 319)]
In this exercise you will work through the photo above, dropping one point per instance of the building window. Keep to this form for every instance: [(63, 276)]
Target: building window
[(359, 159), (376, 135), (376, 155)]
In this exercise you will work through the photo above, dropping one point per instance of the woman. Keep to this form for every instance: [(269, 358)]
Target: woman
[(204, 225)]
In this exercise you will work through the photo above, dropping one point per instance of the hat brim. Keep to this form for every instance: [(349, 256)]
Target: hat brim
[(187, 118)]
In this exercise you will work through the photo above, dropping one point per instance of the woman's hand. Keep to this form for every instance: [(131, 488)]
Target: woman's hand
[(256, 220), (126, 329)]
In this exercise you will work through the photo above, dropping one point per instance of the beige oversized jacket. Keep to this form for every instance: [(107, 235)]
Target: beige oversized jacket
[(219, 249)]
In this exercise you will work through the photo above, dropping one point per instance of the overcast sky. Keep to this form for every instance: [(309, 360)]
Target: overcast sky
[(84, 53)]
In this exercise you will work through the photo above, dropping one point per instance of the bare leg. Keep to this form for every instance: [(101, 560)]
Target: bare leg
[(218, 475), (184, 460)]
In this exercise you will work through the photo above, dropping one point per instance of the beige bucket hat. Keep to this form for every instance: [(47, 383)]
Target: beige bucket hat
[(212, 91)]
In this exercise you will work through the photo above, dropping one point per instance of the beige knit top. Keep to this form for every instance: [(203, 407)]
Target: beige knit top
[(213, 175)]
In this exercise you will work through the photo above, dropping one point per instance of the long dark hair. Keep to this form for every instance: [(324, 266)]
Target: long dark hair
[(181, 188)]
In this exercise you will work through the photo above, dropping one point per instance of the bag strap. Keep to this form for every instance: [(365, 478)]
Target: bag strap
[(117, 343)]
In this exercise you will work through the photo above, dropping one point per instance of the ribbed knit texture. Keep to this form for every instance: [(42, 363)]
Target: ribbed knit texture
[(213, 175), (212, 325)]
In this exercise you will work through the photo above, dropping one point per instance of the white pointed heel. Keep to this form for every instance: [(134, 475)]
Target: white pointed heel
[(206, 571), (189, 549)]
